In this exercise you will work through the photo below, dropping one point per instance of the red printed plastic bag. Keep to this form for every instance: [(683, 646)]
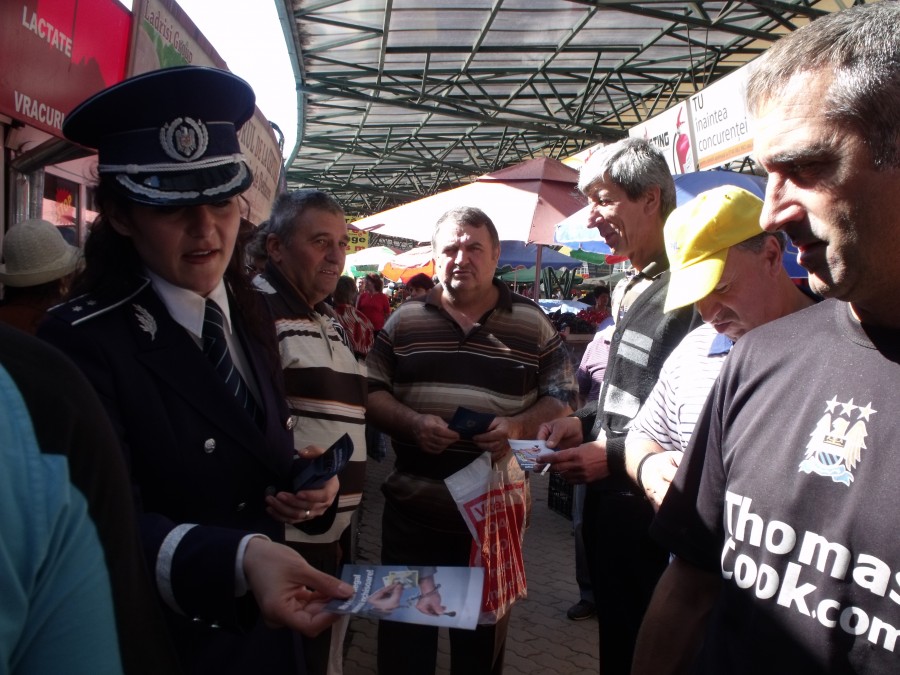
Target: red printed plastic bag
[(492, 501)]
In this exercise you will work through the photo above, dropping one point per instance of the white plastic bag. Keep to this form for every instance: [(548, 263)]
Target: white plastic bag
[(492, 501)]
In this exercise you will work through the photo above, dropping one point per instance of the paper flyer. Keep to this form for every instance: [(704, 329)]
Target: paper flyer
[(427, 595), (529, 453)]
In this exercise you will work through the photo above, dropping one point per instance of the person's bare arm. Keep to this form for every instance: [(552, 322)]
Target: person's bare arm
[(546, 408), (636, 448), (657, 466), (562, 433), (674, 624), (585, 463)]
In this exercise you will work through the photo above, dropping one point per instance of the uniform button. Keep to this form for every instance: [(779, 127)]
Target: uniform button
[(271, 491), (241, 506), (213, 625), (289, 424), (196, 619), (209, 445)]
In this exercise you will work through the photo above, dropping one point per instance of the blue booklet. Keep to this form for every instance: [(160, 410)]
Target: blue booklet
[(468, 423), (311, 475), (427, 595)]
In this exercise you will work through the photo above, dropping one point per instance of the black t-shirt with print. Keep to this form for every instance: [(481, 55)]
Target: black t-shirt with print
[(790, 489)]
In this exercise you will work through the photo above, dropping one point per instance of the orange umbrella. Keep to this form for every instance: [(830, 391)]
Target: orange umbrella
[(408, 264)]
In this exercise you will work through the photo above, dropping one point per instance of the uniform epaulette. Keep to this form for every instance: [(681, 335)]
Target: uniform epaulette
[(262, 285), (91, 305)]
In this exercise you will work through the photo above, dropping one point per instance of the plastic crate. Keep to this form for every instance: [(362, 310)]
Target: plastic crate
[(559, 496)]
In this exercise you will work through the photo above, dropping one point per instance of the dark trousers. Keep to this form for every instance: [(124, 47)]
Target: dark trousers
[(326, 558), (407, 649), (625, 565), (582, 571)]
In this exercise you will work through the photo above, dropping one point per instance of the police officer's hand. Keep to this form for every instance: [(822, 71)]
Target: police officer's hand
[(288, 590), (433, 435), (582, 464), (563, 432)]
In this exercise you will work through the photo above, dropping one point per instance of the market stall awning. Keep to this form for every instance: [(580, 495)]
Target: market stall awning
[(524, 201), (367, 260)]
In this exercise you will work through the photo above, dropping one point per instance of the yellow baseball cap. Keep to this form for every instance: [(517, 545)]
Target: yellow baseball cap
[(698, 236)]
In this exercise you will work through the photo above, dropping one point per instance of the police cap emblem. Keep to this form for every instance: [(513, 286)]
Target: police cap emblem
[(184, 139)]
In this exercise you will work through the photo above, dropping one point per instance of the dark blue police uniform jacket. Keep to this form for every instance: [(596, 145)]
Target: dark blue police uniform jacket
[(196, 458)]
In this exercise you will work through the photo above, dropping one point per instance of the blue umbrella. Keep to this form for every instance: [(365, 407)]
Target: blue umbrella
[(574, 232), (519, 254), (689, 185)]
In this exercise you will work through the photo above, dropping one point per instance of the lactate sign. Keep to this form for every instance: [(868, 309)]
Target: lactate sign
[(56, 54)]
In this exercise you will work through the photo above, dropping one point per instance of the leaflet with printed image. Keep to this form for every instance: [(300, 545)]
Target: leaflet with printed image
[(529, 454), (427, 595)]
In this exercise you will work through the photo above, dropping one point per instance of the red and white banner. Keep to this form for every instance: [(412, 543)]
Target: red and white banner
[(56, 53)]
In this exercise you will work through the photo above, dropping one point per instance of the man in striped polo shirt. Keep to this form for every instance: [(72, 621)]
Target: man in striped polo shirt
[(471, 343), (722, 260)]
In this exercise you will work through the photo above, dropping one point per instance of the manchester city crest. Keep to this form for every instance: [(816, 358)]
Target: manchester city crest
[(836, 444), (184, 139)]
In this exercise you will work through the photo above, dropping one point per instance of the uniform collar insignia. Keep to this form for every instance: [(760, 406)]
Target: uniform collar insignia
[(145, 320)]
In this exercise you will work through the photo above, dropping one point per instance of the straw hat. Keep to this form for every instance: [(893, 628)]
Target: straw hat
[(34, 252)]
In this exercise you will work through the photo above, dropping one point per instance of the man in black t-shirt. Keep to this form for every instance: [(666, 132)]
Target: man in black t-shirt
[(785, 558)]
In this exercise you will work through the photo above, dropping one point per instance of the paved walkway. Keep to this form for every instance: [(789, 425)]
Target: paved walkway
[(541, 639)]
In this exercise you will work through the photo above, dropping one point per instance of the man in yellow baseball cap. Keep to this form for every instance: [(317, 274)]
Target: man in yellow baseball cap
[(722, 261)]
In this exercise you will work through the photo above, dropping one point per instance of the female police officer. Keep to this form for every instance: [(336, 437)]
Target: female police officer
[(166, 326)]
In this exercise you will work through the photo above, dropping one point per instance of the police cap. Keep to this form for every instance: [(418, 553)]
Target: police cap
[(169, 137)]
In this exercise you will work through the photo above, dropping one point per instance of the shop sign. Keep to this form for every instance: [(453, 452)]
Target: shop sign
[(358, 240), (719, 116), (56, 53), (670, 133)]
